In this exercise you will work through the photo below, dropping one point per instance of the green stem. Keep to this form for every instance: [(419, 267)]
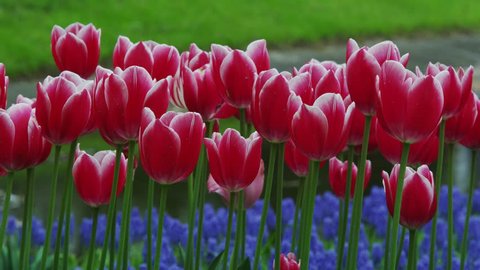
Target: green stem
[(65, 211), (150, 196), (358, 198), (398, 205), (124, 230), (6, 207), (298, 206), (242, 238), (161, 214), (266, 200), (412, 253), (243, 123), (191, 224), (278, 205), (438, 183), (238, 234), (450, 149), (27, 221), (345, 209), (91, 250), (229, 229), (112, 241), (51, 210), (111, 221), (387, 243), (402, 240), (68, 210), (471, 187)]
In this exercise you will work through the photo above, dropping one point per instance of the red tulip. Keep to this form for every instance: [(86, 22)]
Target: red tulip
[(355, 135), (288, 262), (252, 192), (472, 138), (120, 98), (234, 161), (76, 48), (403, 97), (21, 141), (296, 160), (419, 201), (422, 152), (159, 60), (170, 145), (3, 87), (93, 176), (320, 131), (459, 125), (337, 171), (63, 107), (363, 67)]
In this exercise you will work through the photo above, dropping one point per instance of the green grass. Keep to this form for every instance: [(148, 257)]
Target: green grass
[(25, 25)]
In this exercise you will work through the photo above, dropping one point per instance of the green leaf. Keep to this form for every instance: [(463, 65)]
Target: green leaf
[(245, 265), (181, 254), (216, 261)]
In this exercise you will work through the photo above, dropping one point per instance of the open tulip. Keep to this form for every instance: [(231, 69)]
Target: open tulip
[(472, 138), (170, 145), (61, 101), (459, 125), (22, 143), (3, 87), (93, 176), (320, 131), (337, 171), (234, 161), (403, 97), (160, 60), (419, 201), (120, 98), (76, 48)]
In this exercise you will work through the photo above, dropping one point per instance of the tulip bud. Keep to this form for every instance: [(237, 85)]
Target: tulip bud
[(337, 171), (288, 262)]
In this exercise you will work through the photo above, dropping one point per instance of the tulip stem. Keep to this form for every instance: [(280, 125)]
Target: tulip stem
[(344, 209), (111, 208), (438, 184), (278, 205), (397, 206), (266, 201), (65, 211), (412, 250), (191, 223), (400, 247), (471, 187), (6, 206), (298, 206), (229, 229), (387, 243), (243, 123), (51, 210), (449, 168), (126, 207), (161, 214), (93, 235), (27, 221), (358, 198), (238, 233), (150, 197)]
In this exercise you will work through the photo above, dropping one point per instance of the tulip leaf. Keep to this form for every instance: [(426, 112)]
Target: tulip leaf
[(245, 265), (181, 254), (216, 261)]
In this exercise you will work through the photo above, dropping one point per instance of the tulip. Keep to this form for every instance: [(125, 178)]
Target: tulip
[(120, 98), (252, 191), (160, 60), (422, 152), (76, 48), (296, 160), (355, 135), (363, 67), (3, 87), (403, 97), (418, 197), (61, 101), (234, 161), (472, 139), (289, 262), (459, 125), (170, 146), (337, 171), (93, 176)]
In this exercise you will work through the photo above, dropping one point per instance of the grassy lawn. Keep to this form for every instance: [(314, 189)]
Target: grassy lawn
[(26, 24)]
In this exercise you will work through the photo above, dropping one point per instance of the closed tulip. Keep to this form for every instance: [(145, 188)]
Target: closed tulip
[(76, 48), (337, 175), (93, 176), (21, 140), (170, 145), (320, 131), (3, 87), (296, 160), (289, 262), (355, 135), (64, 106), (459, 125), (403, 97), (120, 98), (234, 161), (252, 192), (363, 67), (160, 60), (419, 201), (472, 138)]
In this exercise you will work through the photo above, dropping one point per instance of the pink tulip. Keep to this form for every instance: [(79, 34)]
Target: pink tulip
[(3, 87), (296, 160), (288, 262), (76, 48), (472, 138), (419, 201), (64, 106), (459, 125), (93, 176), (355, 135), (170, 145), (337, 171)]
